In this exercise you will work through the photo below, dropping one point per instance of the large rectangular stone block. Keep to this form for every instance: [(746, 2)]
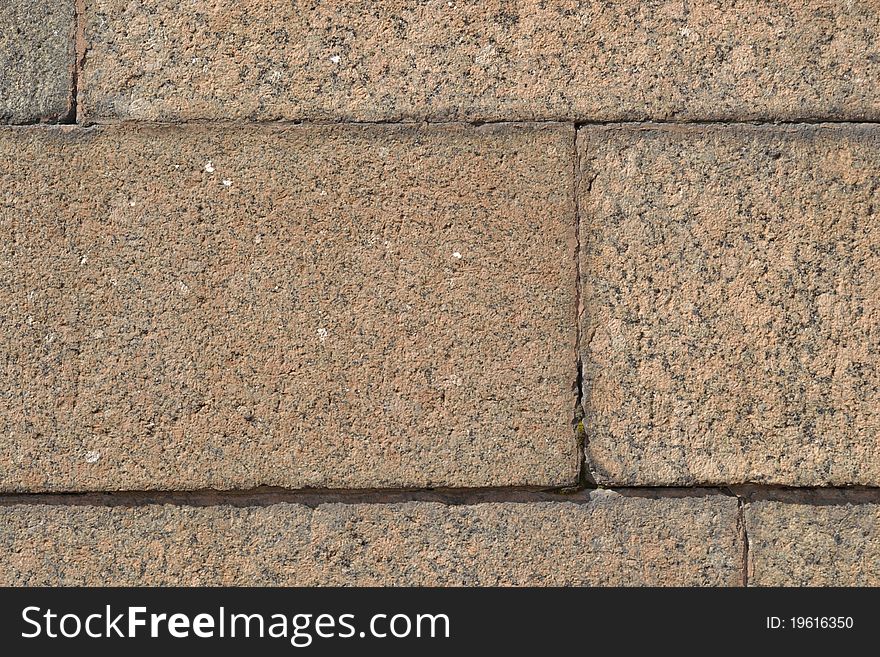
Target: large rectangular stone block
[(813, 545), (730, 315), (37, 41), (611, 540), (497, 60), (212, 307)]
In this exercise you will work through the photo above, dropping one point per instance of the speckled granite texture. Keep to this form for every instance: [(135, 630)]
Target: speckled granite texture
[(375, 292), (613, 540), (731, 304), (36, 60), (496, 60), (810, 545), (347, 307)]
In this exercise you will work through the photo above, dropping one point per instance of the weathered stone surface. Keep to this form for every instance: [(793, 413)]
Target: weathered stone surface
[(731, 304), (154, 545), (211, 307), (611, 540), (38, 333), (412, 59), (809, 545), (36, 59)]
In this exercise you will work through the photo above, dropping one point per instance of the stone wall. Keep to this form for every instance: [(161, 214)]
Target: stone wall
[(440, 292)]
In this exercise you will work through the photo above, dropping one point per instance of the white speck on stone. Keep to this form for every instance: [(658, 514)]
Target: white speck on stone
[(184, 288), (227, 183), (92, 456), (138, 107), (114, 282), (322, 334), (335, 59), (99, 333), (50, 338), (131, 204), (456, 255), (485, 55), (83, 260), (383, 152), (684, 32), (209, 166), (259, 240)]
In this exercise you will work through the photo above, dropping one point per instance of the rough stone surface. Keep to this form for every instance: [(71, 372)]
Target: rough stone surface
[(153, 545), (359, 306), (612, 540), (808, 545), (36, 59), (731, 304), (507, 60)]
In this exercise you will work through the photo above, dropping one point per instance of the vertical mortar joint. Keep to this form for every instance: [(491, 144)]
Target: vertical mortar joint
[(73, 109), (744, 539), (584, 478)]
